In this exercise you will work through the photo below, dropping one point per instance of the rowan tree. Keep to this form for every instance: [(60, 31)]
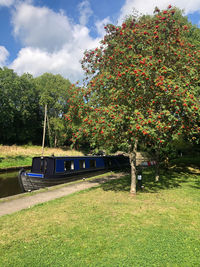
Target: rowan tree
[(141, 85)]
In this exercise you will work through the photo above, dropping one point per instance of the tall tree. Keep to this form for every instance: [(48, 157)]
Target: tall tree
[(141, 85), (20, 118), (30, 127), (8, 97), (53, 92)]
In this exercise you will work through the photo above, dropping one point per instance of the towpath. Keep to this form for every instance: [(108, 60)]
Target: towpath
[(11, 205)]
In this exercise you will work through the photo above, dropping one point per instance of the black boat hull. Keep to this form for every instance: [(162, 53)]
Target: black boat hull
[(28, 183)]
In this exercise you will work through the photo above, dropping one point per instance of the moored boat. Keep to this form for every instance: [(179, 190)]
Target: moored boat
[(49, 171)]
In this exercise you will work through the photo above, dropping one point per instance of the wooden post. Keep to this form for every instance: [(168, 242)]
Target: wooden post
[(49, 131), (44, 129)]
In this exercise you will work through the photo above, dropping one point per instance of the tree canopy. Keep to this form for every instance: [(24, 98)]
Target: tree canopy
[(20, 117), (141, 85), (22, 100), (53, 92)]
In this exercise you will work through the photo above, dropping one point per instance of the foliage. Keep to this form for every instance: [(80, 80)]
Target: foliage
[(22, 99), (53, 92), (141, 84), (57, 132), (20, 117)]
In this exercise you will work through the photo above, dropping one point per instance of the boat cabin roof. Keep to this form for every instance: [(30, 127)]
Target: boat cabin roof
[(75, 157)]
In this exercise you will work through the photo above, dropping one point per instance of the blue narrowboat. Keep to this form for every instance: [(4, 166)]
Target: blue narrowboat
[(49, 171)]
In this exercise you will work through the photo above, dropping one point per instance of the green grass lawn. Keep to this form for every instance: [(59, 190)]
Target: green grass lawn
[(106, 226), (15, 161)]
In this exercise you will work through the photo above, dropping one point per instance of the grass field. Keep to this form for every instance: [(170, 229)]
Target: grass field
[(13, 156), (106, 226)]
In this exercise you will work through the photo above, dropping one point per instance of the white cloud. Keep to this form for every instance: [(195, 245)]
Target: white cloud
[(147, 6), (52, 43), (85, 12), (6, 3), (36, 62), (41, 27), (100, 24), (3, 55)]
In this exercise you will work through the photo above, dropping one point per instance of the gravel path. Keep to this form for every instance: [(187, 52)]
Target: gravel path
[(24, 202)]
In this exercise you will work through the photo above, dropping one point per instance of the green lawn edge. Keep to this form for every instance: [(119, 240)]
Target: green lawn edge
[(106, 226)]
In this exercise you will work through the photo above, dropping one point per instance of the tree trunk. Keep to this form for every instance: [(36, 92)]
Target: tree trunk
[(132, 158), (157, 167), (55, 141)]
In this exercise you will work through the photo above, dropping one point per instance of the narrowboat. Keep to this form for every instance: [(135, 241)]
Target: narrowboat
[(49, 171)]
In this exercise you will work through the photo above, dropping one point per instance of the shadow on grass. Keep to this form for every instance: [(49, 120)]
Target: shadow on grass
[(122, 184), (187, 161), (168, 179), (196, 184)]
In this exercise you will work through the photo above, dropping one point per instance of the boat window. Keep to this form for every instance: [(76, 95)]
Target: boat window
[(92, 163), (81, 164), (68, 165)]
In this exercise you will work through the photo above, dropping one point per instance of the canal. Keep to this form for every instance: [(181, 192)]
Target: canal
[(9, 185)]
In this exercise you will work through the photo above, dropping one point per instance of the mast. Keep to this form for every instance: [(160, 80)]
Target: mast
[(44, 128)]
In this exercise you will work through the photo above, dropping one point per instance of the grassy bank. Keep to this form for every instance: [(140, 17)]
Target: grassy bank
[(108, 227), (14, 156)]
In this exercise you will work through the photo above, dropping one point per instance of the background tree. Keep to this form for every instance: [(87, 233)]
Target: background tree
[(8, 94), (20, 117), (141, 86), (53, 92), (22, 100), (31, 115)]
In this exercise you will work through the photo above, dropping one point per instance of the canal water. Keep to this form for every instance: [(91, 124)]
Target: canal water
[(9, 184)]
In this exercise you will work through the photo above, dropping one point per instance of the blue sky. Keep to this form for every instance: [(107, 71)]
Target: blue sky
[(38, 36)]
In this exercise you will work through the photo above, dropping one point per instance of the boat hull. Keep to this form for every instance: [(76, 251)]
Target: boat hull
[(29, 183)]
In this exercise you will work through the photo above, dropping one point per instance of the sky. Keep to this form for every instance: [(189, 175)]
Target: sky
[(38, 36)]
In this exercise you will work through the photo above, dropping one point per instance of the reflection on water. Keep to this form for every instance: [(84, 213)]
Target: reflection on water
[(9, 184)]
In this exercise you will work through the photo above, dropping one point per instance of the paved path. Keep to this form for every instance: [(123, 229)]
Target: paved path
[(24, 202)]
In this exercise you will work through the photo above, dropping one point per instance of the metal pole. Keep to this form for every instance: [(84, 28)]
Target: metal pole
[(44, 129)]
